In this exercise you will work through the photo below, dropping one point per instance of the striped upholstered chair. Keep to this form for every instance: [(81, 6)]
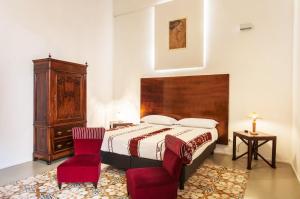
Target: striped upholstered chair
[(85, 165), (159, 182)]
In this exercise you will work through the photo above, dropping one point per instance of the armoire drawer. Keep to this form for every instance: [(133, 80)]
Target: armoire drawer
[(63, 144), (62, 131)]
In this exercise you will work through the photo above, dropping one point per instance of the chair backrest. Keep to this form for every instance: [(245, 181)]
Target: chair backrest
[(172, 163), (87, 141), (173, 157)]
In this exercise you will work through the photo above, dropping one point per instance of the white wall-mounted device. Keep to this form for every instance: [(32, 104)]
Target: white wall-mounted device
[(246, 26)]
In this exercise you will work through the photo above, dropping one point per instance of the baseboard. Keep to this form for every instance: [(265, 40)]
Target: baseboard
[(16, 163), (230, 153), (297, 175)]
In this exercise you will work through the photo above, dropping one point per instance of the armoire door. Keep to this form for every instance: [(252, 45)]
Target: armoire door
[(69, 97)]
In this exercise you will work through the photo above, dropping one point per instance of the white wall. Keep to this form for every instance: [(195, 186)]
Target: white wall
[(73, 30), (123, 7), (259, 61), (296, 92)]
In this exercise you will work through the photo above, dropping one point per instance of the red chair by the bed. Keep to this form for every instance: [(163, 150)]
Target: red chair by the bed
[(159, 182), (85, 165)]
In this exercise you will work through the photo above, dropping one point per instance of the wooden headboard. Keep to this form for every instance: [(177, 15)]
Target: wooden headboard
[(205, 96)]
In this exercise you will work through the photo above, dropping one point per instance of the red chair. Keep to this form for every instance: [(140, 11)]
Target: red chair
[(159, 182), (85, 165)]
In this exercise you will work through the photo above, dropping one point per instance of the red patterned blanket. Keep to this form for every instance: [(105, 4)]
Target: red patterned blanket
[(134, 142), (194, 144)]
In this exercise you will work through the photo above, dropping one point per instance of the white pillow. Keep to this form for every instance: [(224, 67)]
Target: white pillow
[(198, 122), (159, 119)]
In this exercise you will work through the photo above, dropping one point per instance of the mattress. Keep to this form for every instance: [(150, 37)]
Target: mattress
[(149, 139)]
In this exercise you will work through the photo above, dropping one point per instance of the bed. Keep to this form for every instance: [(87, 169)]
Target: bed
[(203, 96)]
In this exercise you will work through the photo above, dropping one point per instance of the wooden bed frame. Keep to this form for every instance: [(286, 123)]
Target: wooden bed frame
[(205, 96)]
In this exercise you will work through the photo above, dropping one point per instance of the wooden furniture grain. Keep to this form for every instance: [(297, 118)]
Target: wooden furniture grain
[(59, 105), (203, 96), (252, 141)]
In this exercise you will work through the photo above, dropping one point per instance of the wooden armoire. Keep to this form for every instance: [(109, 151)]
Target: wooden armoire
[(59, 105)]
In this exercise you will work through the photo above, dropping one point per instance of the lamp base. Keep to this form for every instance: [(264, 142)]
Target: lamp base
[(253, 133)]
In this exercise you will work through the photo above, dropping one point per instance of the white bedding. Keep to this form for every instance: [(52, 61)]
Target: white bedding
[(117, 141)]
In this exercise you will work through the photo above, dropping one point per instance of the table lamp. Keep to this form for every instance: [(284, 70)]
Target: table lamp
[(254, 116)]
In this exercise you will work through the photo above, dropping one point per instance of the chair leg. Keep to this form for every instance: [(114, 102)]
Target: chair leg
[(59, 186), (95, 185), (181, 185)]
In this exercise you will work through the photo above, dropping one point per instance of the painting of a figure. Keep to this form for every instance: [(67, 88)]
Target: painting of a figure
[(177, 34)]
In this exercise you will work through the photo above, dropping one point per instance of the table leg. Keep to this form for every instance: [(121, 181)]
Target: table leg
[(234, 147), (255, 149), (274, 152), (249, 154)]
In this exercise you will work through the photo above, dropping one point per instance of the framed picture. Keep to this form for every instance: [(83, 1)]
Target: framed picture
[(177, 34)]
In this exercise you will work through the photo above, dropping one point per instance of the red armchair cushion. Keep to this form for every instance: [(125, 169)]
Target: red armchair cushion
[(179, 147), (87, 146), (154, 176), (80, 168), (149, 183), (172, 164)]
